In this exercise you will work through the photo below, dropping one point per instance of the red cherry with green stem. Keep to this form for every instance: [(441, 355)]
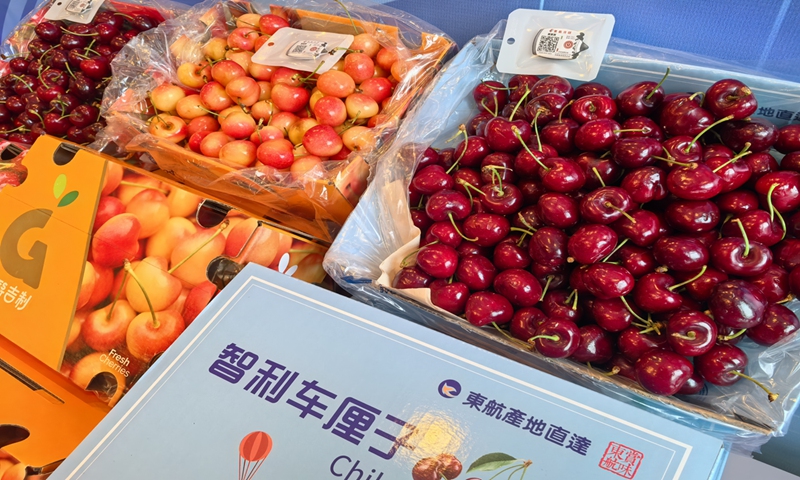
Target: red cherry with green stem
[(599, 171), (694, 182), (641, 227), (507, 135), (477, 124), (411, 277), (56, 125), (730, 97), (438, 260), (545, 108), (502, 199), (597, 135), (738, 304), (464, 176), (528, 163), (519, 85), (685, 116), (471, 151), (642, 98), (448, 205), (724, 365), (779, 322), (558, 210), (637, 260), (654, 293), (596, 345), (451, 297), (734, 171), (693, 385), (432, 179), (760, 133), (562, 304), (681, 253), (737, 202), (606, 281), (84, 115), (701, 283), (556, 338), (50, 31), (740, 256), (490, 95), (791, 162), (529, 218), (548, 246), (509, 255), (593, 107), (498, 168), (787, 253), (106, 32), (561, 175), (663, 372), (484, 308), (612, 315), (645, 184), (779, 191), (553, 84), (605, 205), (759, 228), (96, 68), (681, 149), (635, 152), (486, 229), (591, 88), (641, 127), (443, 232), (691, 333), (773, 283), (525, 322), (519, 286), (560, 134), (476, 271), (591, 243)]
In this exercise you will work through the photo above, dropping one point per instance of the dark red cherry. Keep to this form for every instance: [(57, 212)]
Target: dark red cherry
[(683, 149), (760, 164), (597, 135), (637, 260), (593, 107), (553, 84), (700, 288), (635, 152), (788, 139), (685, 116), (734, 172), (681, 253), (730, 97), (505, 199), (591, 88), (557, 338), (693, 216), (780, 189), (432, 179), (737, 202), (490, 95), (758, 226), (545, 108), (643, 227), (558, 210), (611, 315), (642, 98), (562, 175), (486, 229), (471, 151), (519, 286), (560, 134), (449, 296), (445, 204), (779, 322), (760, 133), (421, 220), (663, 372), (787, 253), (646, 184), (548, 246), (736, 256), (697, 182), (143, 23), (509, 255), (443, 232), (596, 345), (525, 322), (476, 271), (561, 303), (520, 85), (641, 127), (50, 31), (498, 168), (717, 365), (411, 277), (691, 333), (438, 260), (591, 243), (503, 135), (606, 281), (652, 293), (693, 386), (484, 308), (737, 304), (774, 283), (605, 205), (598, 171)]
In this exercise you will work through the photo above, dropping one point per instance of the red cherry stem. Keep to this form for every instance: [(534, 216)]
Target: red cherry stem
[(405, 259), (672, 161), (483, 104), (20, 79), (725, 338), (505, 334), (770, 395), (346, 11), (546, 286), (79, 34), (305, 79), (692, 96), (745, 151), (653, 327), (679, 285), (521, 230), (519, 136), (619, 245), (599, 177), (525, 222), (614, 370), (560, 114), (774, 211), (628, 306), (574, 299), (623, 130), (697, 137), (744, 236), (553, 338), (666, 74), (492, 87), (462, 130), (129, 271), (69, 70), (690, 335), (220, 229), (116, 297), (536, 131), (623, 212), (453, 221), (513, 112), (788, 298)]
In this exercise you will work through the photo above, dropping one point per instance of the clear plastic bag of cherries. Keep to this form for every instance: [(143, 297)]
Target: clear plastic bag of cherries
[(53, 71), (641, 241)]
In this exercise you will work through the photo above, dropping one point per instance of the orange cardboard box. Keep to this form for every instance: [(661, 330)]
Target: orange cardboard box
[(102, 266)]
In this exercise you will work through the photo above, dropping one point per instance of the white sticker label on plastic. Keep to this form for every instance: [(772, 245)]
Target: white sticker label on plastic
[(568, 44), (303, 50), (78, 11)]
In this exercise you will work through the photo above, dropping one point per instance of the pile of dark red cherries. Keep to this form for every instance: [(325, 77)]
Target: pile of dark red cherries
[(645, 234), (56, 86)]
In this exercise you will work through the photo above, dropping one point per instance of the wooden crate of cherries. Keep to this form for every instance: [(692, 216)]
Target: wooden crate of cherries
[(644, 234)]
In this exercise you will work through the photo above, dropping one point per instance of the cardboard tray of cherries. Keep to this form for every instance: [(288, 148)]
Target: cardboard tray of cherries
[(201, 98), (53, 72), (638, 240)]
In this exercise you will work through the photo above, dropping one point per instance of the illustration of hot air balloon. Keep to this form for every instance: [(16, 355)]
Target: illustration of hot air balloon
[(253, 450)]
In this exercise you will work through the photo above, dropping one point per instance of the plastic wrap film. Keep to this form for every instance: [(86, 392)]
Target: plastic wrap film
[(317, 202), (17, 42), (379, 233)]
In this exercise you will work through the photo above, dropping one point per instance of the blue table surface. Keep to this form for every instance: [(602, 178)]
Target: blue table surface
[(760, 36)]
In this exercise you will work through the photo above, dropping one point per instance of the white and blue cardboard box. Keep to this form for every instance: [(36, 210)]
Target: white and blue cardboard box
[(281, 379)]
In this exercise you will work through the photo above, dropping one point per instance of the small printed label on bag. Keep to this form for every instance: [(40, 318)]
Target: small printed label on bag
[(78, 11), (307, 49), (559, 43), (304, 50)]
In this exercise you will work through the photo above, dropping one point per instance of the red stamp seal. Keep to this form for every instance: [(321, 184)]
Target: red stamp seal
[(622, 460)]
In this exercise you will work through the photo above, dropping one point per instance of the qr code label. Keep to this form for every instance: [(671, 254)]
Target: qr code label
[(621, 460), (548, 43), (307, 49)]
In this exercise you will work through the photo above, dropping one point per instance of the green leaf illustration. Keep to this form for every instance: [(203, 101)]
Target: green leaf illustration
[(60, 185), (491, 461), (68, 198)]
